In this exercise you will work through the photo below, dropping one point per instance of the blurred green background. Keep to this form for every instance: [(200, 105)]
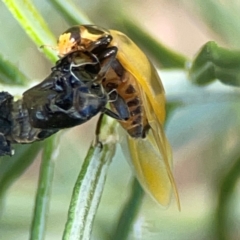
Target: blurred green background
[(204, 131)]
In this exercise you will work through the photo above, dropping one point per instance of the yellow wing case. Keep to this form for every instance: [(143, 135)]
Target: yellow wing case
[(151, 157)]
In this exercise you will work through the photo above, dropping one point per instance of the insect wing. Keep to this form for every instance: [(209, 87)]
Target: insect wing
[(150, 168), (151, 157), (157, 139)]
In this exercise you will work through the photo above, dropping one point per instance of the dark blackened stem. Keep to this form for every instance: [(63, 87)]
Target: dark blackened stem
[(98, 127), (22, 131)]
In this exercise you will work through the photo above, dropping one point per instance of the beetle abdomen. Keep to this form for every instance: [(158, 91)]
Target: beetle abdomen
[(125, 93)]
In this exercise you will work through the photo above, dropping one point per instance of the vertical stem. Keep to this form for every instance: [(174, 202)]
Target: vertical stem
[(89, 186), (225, 193), (12, 167), (44, 190), (129, 212), (33, 24)]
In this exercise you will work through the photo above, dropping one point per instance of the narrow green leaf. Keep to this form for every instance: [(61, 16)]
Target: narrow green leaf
[(33, 24), (12, 167), (129, 212), (70, 12), (9, 74), (225, 193), (50, 154), (89, 185)]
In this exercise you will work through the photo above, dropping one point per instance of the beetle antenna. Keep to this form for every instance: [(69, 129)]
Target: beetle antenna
[(48, 46)]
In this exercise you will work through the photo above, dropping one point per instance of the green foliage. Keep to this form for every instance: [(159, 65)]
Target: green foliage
[(195, 112), (9, 74)]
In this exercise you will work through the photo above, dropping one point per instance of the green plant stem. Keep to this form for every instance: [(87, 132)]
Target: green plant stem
[(70, 12), (12, 167), (129, 212), (89, 185), (44, 189), (226, 189), (33, 24)]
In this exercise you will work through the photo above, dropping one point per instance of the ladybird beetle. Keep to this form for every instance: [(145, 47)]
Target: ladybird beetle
[(128, 76)]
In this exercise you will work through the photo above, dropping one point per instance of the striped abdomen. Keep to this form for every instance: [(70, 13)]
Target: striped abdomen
[(126, 100)]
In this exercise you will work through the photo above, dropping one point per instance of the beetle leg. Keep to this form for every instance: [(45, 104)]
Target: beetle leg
[(100, 44), (106, 58), (112, 114)]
